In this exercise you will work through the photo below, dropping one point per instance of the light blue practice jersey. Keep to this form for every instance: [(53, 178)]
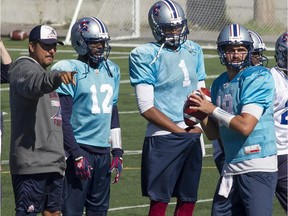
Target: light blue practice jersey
[(253, 85), (93, 97), (174, 74)]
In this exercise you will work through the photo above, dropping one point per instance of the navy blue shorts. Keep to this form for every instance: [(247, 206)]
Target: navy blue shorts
[(282, 184), (94, 194), (37, 192), (171, 167), (251, 195)]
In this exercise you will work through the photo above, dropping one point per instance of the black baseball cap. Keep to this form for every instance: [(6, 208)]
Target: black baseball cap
[(44, 34)]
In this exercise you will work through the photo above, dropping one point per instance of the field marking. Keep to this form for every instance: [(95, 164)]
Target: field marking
[(148, 205), (121, 82)]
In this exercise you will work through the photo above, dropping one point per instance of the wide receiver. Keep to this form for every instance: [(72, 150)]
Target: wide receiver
[(90, 121)]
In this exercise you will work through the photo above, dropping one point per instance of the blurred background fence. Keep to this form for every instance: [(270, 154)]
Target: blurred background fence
[(127, 19)]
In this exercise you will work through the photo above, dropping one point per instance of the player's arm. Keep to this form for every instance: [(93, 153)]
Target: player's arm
[(116, 145), (145, 102), (82, 167), (5, 62), (243, 123), (70, 144)]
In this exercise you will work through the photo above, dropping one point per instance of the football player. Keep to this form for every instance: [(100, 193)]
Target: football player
[(257, 57), (163, 74), (280, 75), (90, 120), (241, 114)]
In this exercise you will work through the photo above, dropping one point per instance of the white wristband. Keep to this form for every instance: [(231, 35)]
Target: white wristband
[(222, 116), (115, 138)]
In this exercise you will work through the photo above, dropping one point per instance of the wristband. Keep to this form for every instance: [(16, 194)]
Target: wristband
[(115, 138), (222, 116)]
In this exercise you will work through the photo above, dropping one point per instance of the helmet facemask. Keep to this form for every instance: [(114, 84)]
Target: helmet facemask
[(168, 23), (173, 34), (98, 53), (235, 65), (234, 34), (281, 48), (88, 31)]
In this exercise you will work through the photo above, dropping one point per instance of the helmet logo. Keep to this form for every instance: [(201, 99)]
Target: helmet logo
[(235, 32), (285, 38), (156, 10), (83, 26)]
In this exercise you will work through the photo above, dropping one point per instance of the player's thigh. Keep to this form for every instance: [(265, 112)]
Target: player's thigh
[(30, 192), (282, 184), (74, 192), (98, 196), (54, 200), (227, 206), (257, 186)]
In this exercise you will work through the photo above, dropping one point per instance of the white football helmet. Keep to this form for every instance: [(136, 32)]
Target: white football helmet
[(90, 29), (281, 48), (167, 14), (234, 34), (258, 47)]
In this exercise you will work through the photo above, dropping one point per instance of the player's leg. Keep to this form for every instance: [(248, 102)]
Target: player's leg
[(157, 208), (74, 191), (161, 166), (30, 193), (187, 184), (49, 213), (97, 202), (282, 184), (53, 204), (257, 192), (219, 162), (227, 206)]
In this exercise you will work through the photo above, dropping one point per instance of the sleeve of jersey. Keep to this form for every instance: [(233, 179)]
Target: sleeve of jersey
[(65, 65), (139, 65), (70, 144), (258, 88)]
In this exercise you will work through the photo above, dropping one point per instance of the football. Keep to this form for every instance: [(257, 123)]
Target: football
[(192, 116), (18, 35)]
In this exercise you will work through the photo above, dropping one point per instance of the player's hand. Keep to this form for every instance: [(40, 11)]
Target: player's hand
[(193, 130), (82, 168), (67, 77), (202, 104), (117, 165)]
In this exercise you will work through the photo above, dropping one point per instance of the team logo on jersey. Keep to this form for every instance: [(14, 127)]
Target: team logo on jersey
[(156, 10)]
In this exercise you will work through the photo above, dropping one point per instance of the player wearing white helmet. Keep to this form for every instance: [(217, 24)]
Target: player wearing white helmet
[(241, 115), (90, 121), (280, 75), (163, 74)]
